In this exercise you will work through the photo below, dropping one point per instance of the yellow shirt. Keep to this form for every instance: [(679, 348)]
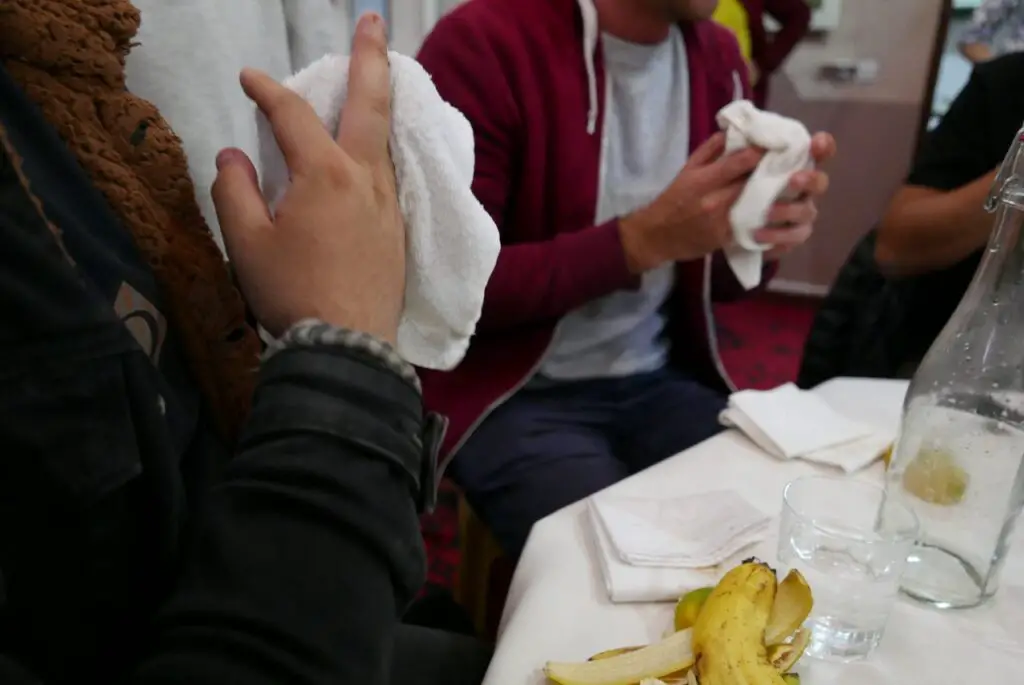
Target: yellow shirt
[(733, 15)]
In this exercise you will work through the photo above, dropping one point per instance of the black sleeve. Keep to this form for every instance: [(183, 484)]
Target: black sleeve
[(960, 149), (957, 151), (310, 550)]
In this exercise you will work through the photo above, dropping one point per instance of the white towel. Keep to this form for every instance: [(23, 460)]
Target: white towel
[(452, 243), (627, 582), (787, 145), (790, 423)]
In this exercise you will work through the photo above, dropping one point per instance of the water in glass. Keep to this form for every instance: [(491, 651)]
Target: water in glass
[(851, 559), (962, 474)]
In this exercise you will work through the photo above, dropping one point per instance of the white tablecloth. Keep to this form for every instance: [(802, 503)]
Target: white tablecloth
[(558, 609)]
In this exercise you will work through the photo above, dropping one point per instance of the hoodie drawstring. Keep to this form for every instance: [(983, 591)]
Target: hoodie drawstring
[(589, 13)]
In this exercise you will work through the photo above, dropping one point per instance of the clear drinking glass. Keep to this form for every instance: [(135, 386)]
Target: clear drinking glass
[(852, 552)]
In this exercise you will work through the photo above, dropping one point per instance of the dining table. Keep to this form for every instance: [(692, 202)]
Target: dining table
[(558, 608)]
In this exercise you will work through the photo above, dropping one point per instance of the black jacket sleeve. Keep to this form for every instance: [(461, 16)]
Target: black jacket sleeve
[(310, 550)]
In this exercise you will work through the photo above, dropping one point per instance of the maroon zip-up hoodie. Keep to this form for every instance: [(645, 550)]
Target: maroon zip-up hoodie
[(528, 75)]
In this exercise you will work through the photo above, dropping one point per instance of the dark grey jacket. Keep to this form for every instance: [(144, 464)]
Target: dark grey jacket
[(135, 547)]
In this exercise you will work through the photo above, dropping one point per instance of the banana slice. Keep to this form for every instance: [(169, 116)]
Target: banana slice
[(935, 477), (793, 604), (791, 679), (673, 654)]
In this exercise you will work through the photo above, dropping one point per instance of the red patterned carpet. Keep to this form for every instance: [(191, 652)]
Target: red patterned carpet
[(761, 342)]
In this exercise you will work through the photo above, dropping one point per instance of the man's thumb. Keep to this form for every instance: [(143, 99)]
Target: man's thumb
[(241, 210)]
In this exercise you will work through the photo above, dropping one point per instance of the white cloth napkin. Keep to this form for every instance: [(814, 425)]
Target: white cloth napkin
[(791, 423), (788, 149), (656, 550), (451, 242)]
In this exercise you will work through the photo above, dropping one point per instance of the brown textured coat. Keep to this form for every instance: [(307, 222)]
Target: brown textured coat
[(68, 56)]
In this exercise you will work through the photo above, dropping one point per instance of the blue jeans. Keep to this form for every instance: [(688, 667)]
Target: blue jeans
[(550, 446)]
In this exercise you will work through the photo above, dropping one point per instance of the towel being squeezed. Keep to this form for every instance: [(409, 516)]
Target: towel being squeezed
[(451, 241), (787, 145)]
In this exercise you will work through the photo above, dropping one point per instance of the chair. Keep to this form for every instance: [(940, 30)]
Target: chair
[(484, 572), (878, 327)]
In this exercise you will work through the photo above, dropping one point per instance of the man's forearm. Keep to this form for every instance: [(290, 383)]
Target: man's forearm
[(544, 281), (976, 52), (926, 229)]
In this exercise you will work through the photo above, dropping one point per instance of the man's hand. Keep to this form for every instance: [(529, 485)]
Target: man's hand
[(791, 223), (335, 247), (691, 217)]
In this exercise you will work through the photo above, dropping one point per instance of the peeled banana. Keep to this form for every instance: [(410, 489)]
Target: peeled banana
[(729, 634)]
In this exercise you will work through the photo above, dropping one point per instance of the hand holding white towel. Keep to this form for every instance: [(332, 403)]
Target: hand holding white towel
[(787, 145), (452, 243)]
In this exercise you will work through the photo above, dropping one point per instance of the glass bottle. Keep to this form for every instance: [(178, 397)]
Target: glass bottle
[(958, 461)]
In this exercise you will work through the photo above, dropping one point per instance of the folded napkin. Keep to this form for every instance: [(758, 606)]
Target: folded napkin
[(451, 242), (656, 550), (787, 145), (791, 423)]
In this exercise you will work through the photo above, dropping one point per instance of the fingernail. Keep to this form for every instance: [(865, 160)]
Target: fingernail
[(372, 24), (229, 155)]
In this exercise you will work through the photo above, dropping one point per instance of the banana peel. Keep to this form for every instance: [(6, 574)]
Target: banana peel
[(726, 645), (609, 653), (677, 678), (728, 636), (793, 604), (688, 607), (785, 655), (665, 658)]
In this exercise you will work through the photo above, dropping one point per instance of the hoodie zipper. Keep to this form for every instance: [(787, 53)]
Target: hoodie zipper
[(709, 314), (711, 327)]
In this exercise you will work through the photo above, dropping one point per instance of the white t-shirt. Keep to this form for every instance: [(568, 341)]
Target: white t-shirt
[(644, 145)]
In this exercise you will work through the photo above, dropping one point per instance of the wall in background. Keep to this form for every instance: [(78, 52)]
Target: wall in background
[(875, 125)]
